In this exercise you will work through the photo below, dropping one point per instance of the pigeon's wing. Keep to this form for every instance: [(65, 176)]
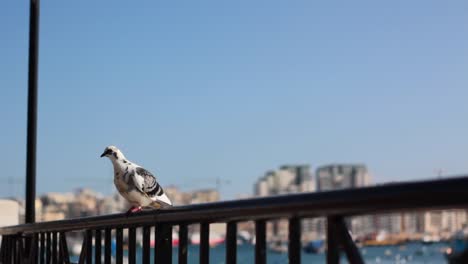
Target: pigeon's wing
[(146, 183)]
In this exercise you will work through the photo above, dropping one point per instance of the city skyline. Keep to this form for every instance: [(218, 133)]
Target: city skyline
[(205, 90), (286, 179)]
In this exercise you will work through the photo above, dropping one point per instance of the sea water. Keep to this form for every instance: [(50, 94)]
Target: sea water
[(408, 253)]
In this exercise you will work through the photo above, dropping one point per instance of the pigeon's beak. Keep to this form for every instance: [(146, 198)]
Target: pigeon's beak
[(107, 151)]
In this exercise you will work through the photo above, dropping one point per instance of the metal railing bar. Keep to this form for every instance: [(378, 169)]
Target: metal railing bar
[(54, 248), (3, 250), (346, 241), (435, 194), (260, 242), (34, 249), (42, 251), (107, 245), (9, 248), (65, 257), (89, 246), (146, 244), (97, 246), (163, 247), (131, 245), (13, 245), (231, 243), (20, 249), (204, 243), (333, 251), (28, 252), (48, 247), (183, 242), (84, 248), (119, 246), (294, 246)]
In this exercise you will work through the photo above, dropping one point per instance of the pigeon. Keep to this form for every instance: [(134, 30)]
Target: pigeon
[(137, 185)]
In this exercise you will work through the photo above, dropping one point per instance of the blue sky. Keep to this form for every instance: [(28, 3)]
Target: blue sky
[(194, 90)]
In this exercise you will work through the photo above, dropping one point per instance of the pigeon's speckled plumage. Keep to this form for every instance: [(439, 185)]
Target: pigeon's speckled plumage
[(135, 183)]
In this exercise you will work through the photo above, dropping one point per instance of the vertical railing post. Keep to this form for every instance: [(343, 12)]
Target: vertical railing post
[(183, 241), (204, 243), (260, 242), (119, 246), (146, 245), (333, 252), (107, 246), (97, 247), (346, 241), (163, 247), (294, 249), (131, 245), (231, 243)]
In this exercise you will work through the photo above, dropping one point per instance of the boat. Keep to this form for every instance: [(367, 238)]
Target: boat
[(315, 246), (280, 247), (214, 239), (457, 252), (428, 239)]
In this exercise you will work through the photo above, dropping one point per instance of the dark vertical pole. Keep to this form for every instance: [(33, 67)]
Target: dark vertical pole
[(131, 245), (294, 250), (97, 247), (48, 248), (163, 246), (15, 247), (119, 246), (35, 249), (231, 243), (346, 241), (3, 250), (333, 252), (107, 246), (9, 249), (32, 111), (183, 241), (54, 248), (13, 244), (43, 249), (146, 244), (260, 242), (204, 243), (64, 249), (89, 246)]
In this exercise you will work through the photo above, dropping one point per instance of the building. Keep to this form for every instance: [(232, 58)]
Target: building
[(205, 196), (342, 176), (286, 180), (9, 212)]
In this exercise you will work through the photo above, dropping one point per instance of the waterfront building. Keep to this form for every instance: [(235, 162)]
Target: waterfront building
[(285, 180), (343, 176)]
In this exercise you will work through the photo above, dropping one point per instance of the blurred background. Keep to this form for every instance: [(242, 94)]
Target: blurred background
[(226, 100)]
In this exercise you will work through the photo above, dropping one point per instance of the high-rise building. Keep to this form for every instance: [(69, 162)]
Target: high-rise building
[(287, 179), (342, 176)]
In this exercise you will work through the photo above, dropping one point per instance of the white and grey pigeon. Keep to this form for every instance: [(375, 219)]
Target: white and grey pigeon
[(135, 184)]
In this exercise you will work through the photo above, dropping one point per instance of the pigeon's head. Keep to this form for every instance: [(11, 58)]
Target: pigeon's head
[(112, 153)]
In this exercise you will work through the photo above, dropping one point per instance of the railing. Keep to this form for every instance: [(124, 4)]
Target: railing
[(46, 242)]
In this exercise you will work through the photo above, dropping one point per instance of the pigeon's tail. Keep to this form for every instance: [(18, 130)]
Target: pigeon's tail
[(160, 205)]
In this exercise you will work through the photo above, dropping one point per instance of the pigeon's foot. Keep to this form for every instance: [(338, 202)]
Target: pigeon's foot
[(132, 210)]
